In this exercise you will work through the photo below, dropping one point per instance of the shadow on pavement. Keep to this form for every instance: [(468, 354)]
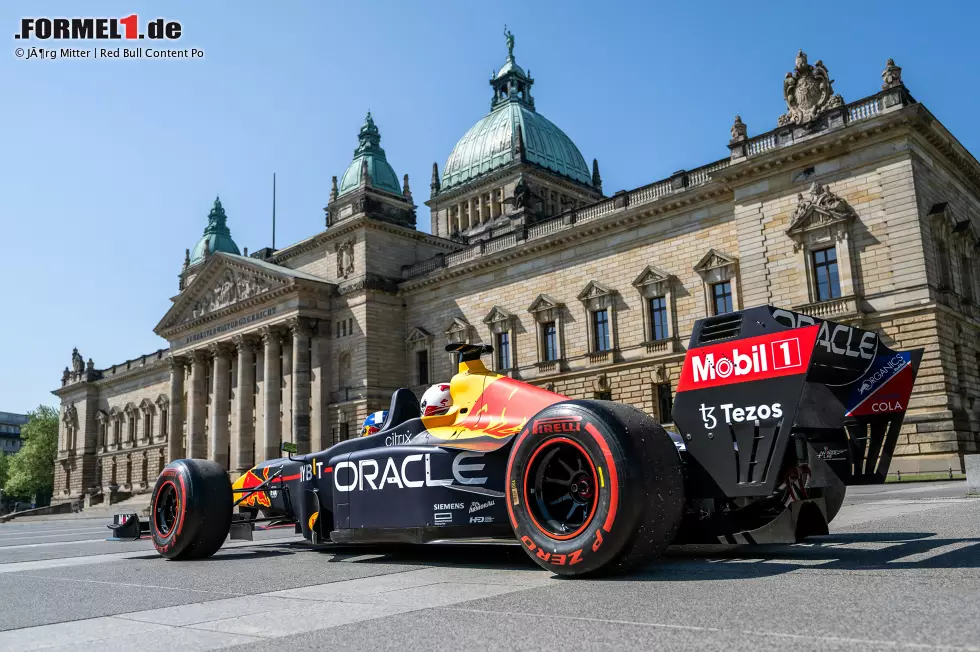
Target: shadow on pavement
[(886, 551)]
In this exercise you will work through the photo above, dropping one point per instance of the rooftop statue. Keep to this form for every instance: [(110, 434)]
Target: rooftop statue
[(510, 42)]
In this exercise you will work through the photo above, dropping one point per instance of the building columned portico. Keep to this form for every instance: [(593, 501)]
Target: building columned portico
[(864, 211)]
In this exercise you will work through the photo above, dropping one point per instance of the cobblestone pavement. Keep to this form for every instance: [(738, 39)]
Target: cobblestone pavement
[(900, 570)]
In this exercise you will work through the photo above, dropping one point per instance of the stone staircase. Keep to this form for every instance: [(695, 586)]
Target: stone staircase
[(138, 504)]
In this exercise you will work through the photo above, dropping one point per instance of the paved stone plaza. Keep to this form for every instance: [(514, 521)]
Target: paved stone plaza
[(900, 570)]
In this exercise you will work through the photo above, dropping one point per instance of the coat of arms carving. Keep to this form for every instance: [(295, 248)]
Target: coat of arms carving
[(345, 259), (808, 91)]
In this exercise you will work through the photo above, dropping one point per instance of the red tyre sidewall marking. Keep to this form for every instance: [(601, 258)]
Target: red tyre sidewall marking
[(527, 469), (510, 465), (155, 515), (613, 476), (182, 497)]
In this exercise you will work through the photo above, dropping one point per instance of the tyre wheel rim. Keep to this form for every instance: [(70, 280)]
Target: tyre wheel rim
[(562, 488), (166, 508)]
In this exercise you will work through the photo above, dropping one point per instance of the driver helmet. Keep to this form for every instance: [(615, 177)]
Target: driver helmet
[(436, 400), (373, 423)]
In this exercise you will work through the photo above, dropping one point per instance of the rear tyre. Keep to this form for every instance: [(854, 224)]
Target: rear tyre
[(594, 487), (190, 511)]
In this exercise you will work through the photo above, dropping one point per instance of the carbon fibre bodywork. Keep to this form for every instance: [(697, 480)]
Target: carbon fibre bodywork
[(417, 479), (765, 387), (775, 410)]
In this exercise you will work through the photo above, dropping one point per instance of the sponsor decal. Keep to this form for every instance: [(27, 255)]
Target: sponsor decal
[(481, 519), (890, 367), (311, 470), (556, 425), (885, 389), (475, 507), (513, 493), (755, 358), (397, 440), (443, 518), (441, 507), (834, 338), (830, 454), (254, 499), (372, 474), (731, 414)]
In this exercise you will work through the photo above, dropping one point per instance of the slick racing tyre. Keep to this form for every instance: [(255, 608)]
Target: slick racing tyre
[(190, 511), (594, 487)]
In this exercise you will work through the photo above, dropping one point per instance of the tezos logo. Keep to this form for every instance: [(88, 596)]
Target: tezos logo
[(475, 507), (734, 414), (97, 29)]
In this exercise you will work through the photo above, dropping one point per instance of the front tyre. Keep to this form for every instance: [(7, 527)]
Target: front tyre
[(594, 487), (190, 510)]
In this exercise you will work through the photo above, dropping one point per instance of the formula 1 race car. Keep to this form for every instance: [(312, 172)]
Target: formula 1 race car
[(776, 413)]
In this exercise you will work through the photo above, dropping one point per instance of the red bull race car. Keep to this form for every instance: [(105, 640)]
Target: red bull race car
[(775, 413)]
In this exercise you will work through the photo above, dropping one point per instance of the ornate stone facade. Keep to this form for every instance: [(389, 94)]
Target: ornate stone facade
[(863, 213)]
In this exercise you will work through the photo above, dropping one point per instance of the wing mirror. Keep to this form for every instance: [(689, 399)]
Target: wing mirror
[(289, 448)]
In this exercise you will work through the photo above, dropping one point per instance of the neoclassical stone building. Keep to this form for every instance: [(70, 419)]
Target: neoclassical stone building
[(864, 212)]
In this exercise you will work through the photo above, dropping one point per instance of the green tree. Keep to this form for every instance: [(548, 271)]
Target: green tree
[(32, 468), (4, 469)]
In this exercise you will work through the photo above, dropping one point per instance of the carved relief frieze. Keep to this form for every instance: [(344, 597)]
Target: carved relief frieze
[(232, 287)]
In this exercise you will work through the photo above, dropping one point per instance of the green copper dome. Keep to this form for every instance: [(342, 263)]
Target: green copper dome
[(369, 152), (493, 141), (216, 236)]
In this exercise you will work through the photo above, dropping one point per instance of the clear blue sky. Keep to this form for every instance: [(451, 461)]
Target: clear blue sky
[(109, 168)]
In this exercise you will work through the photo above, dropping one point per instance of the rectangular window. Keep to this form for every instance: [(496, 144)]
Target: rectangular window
[(503, 351), (350, 326), (664, 401), (722, 297), (658, 319), (422, 362), (549, 333), (600, 330), (344, 429), (825, 274), (965, 279), (603, 396), (338, 329)]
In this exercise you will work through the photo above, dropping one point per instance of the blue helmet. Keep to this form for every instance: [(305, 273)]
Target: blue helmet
[(373, 423)]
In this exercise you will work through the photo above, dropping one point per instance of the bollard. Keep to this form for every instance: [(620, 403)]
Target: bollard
[(972, 463)]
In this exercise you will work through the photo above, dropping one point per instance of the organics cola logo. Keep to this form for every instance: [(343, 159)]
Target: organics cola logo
[(88, 29)]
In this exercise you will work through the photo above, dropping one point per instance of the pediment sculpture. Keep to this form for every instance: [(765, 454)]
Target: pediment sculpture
[(819, 210), (232, 287), (808, 92)]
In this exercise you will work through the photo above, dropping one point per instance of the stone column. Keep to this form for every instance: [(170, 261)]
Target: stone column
[(196, 443), (286, 418), (175, 415), (300, 330), (271, 394), (218, 441), (319, 389), (242, 440), (259, 420)]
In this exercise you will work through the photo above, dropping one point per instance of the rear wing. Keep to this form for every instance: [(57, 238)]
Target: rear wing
[(757, 380)]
